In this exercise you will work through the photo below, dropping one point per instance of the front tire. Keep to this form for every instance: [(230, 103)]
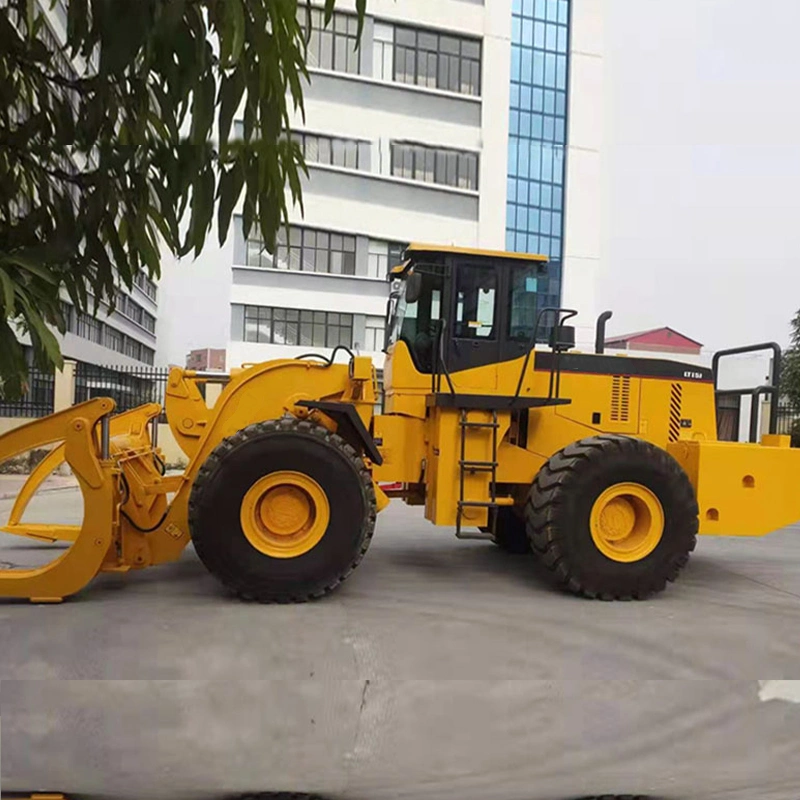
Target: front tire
[(282, 511), (613, 518)]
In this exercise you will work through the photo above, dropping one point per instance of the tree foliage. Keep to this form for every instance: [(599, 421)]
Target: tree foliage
[(105, 167), (790, 374)]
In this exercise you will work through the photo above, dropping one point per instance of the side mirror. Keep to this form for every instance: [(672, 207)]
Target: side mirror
[(562, 338), (413, 287)]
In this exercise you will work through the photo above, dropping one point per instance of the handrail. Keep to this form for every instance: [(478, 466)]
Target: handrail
[(556, 361), (773, 389)]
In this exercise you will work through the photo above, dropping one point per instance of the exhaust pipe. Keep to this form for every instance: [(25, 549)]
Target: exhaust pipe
[(600, 337)]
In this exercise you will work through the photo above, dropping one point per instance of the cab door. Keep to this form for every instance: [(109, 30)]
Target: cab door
[(473, 349)]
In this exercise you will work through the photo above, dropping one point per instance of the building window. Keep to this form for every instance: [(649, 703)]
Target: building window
[(538, 136), (114, 339), (129, 308), (145, 285), (332, 47), (438, 61), (435, 165), (383, 52), (297, 327), (66, 312), (338, 152), (382, 257), (148, 355), (307, 250), (374, 334), (89, 328), (133, 348)]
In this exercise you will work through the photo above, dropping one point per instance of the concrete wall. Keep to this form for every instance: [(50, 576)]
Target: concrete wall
[(11, 423), (586, 178)]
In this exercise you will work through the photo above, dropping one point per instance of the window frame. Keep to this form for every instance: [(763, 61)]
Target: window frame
[(325, 43), (464, 265), (426, 47), (333, 324), (351, 149), (449, 167), (296, 253)]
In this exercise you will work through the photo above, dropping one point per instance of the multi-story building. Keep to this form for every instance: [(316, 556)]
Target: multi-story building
[(455, 122), (207, 359)]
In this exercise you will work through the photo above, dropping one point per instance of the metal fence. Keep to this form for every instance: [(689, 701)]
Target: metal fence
[(37, 400), (128, 386), (788, 419)]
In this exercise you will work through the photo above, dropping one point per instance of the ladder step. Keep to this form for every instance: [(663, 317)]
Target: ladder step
[(478, 464), (501, 501), (466, 424)]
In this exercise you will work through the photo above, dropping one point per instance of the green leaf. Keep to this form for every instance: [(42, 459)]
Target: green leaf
[(28, 265), (238, 29), (13, 367), (231, 93), (230, 188), (361, 9), (8, 293), (41, 336), (203, 108)]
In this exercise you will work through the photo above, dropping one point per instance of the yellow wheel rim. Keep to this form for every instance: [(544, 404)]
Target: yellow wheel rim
[(285, 514), (627, 522)]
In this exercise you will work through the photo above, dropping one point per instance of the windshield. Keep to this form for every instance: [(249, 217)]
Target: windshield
[(417, 323)]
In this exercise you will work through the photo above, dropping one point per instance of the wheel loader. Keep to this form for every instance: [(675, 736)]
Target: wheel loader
[(604, 467)]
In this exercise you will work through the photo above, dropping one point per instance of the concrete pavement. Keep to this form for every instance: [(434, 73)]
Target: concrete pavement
[(11, 484), (433, 740), (422, 605), (441, 669)]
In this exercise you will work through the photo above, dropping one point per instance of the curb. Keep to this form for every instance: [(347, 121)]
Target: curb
[(43, 490)]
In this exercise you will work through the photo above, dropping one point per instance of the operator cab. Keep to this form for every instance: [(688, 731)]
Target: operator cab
[(470, 308)]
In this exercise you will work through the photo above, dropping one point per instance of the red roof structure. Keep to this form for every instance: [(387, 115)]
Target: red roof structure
[(665, 340)]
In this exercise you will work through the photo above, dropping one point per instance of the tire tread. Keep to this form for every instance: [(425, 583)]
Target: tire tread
[(551, 489), (225, 450)]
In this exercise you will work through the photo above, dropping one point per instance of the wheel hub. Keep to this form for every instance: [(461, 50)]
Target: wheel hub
[(285, 514), (627, 522)]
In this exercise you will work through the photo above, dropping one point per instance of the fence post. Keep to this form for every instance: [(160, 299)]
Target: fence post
[(766, 414), (64, 386)]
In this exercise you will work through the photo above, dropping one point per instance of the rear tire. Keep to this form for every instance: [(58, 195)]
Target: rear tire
[(295, 447), (559, 513)]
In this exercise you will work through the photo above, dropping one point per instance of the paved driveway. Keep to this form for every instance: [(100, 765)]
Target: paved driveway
[(441, 669)]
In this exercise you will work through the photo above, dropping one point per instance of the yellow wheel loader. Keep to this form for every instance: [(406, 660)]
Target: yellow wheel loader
[(606, 467)]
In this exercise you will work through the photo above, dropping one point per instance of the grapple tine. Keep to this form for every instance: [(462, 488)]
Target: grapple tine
[(75, 567), (53, 533), (119, 423)]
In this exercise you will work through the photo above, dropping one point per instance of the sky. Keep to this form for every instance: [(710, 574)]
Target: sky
[(702, 153), (703, 159)]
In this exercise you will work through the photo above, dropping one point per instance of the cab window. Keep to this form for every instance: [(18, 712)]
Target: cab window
[(421, 320), (522, 302), (476, 301)]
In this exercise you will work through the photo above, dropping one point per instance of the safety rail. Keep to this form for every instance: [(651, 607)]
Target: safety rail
[(772, 390), (555, 368)]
